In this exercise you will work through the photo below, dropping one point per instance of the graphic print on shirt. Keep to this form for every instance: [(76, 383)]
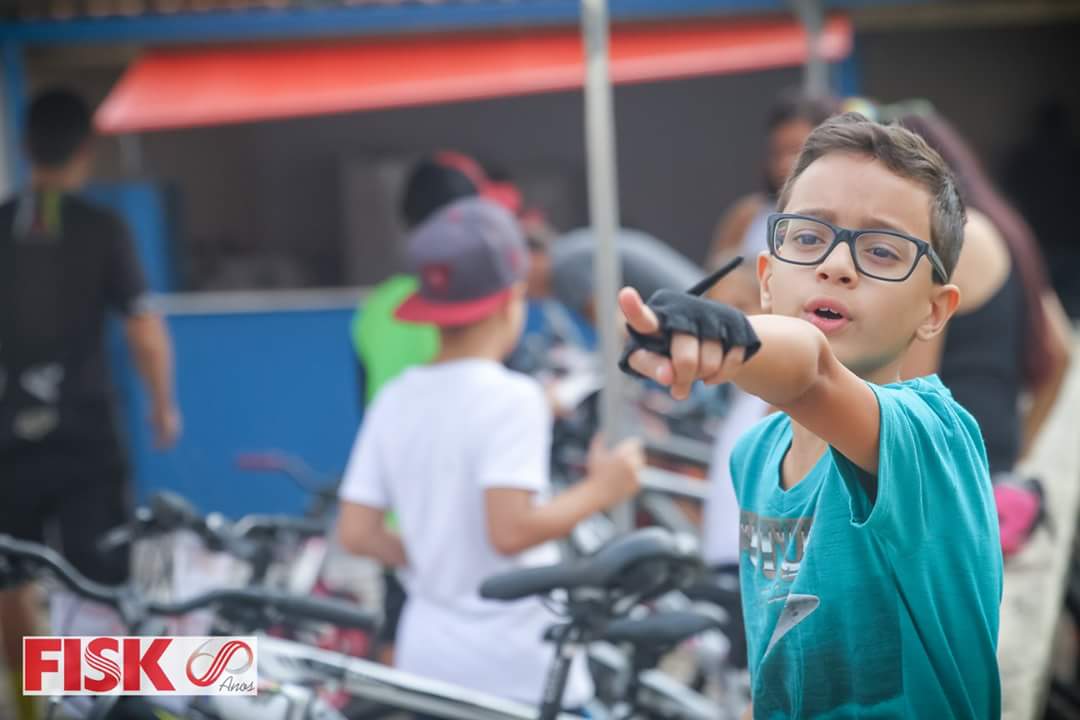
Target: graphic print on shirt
[(776, 547), (774, 544), (42, 383), (808, 672)]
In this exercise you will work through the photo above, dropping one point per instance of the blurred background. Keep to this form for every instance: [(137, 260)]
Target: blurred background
[(258, 149)]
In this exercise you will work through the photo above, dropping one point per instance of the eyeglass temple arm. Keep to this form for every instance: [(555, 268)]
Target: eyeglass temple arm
[(703, 286)]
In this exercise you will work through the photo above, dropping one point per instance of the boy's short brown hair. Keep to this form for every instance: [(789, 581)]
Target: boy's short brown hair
[(904, 153)]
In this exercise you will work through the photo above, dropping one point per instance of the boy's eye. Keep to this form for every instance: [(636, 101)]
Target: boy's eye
[(881, 252), (886, 250), (807, 239)]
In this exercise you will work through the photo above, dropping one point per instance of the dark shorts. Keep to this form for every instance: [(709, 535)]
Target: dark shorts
[(67, 501), (393, 603)]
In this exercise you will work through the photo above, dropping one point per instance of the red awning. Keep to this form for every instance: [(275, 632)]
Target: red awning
[(173, 88)]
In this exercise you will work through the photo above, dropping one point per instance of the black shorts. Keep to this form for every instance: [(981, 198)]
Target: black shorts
[(393, 603), (68, 502)]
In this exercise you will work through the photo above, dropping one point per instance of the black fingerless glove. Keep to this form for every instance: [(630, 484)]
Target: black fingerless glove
[(687, 313)]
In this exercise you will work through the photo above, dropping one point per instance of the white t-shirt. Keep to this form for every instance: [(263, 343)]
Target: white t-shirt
[(721, 523), (432, 442)]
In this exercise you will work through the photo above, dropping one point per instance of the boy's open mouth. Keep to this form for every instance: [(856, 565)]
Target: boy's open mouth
[(827, 314)]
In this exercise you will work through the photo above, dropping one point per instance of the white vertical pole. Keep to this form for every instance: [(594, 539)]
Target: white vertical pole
[(604, 215), (816, 71)]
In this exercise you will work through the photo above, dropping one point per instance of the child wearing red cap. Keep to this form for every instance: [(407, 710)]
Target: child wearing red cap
[(458, 449)]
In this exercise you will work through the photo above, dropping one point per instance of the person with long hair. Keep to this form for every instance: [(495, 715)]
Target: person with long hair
[(741, 231), (1004, 355)]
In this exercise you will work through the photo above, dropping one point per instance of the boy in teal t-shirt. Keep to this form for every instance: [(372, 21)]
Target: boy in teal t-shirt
[(870, 563)]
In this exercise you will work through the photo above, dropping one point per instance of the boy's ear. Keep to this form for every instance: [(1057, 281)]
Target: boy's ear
[(943, 304), (517, 295), (764, 275)]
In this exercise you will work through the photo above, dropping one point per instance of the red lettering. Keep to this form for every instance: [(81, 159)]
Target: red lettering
[(34, 662), (72, 664), (108, 668), (135, 660)]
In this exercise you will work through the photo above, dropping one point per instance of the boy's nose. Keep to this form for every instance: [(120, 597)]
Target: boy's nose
[(839, 266)]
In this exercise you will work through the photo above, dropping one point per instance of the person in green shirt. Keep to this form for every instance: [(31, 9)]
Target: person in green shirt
[(385, 346)]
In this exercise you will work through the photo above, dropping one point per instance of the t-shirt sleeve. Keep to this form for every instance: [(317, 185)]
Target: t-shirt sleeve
[(513, 443), (125, 285), (930, 457), (365, 481)]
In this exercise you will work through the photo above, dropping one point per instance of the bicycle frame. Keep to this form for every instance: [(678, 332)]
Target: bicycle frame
[(568, 640), (381, 684)]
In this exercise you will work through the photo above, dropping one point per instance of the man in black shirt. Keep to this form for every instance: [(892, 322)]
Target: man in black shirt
[(64, 266)]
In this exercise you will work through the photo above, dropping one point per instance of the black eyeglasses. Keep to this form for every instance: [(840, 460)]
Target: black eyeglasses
[(881, 254)]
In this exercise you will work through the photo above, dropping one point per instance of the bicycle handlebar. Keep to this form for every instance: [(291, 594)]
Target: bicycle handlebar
[(302, 475), (326, 610), (59, 567), (169, 512), (134, 610)]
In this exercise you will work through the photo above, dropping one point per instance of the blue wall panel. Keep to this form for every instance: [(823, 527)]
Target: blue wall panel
[(247, 382), (13, 87)]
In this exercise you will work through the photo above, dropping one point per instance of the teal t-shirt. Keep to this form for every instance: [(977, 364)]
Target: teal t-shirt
[(873, 610)]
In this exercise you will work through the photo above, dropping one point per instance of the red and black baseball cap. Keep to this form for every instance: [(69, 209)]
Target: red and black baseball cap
[(468, 256)]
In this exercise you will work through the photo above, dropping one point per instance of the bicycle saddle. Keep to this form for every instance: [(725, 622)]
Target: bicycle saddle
[(662, 630), (633, 562)]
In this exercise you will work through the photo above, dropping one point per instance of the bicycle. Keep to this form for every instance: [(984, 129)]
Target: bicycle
[(243, 609), (265, 547), (630, 570), (648, 639), (597, 594)]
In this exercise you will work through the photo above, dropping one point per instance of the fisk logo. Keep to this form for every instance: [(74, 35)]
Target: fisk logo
[(219, 661), (140, 665)]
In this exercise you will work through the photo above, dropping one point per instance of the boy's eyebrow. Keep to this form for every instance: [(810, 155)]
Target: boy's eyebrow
[(821, 213), (868, 223)]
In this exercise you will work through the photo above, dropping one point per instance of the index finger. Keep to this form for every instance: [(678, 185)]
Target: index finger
[(638, 315)]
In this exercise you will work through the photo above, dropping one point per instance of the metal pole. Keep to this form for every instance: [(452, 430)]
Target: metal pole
[(816, 71), (132, 155), (604, 215), (12, 107), (9, 147)]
